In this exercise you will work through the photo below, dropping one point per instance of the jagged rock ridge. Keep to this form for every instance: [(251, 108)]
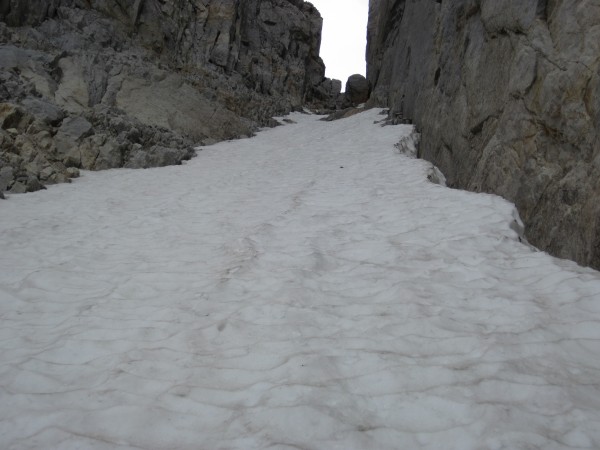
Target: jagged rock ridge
[(145, 79), (506, 94)]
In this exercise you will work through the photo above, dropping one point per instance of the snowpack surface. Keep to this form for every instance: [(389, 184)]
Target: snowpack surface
[(308, 288)]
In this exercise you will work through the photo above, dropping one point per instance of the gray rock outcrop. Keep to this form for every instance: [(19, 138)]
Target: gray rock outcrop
[(506, 94), (95, 84)]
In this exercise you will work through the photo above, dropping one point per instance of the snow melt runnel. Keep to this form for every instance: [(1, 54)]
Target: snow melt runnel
[(306, 288)]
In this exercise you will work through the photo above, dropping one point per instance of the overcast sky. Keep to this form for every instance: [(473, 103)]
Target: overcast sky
[(344, 36)]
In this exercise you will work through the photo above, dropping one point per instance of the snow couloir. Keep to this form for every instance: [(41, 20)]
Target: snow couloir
[(306, 288)]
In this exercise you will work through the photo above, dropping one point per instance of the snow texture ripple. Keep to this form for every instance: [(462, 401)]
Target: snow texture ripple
[(308, 288)]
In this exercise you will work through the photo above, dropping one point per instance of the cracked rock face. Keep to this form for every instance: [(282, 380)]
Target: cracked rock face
[(145, 80), (507, 96)]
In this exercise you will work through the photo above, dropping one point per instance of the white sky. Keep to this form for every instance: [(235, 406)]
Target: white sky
[(344, 36)]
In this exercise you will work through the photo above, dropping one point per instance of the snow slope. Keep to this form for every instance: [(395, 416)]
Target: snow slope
[(307, 288)]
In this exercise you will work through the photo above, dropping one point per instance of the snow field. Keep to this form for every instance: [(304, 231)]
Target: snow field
[(306, 288)]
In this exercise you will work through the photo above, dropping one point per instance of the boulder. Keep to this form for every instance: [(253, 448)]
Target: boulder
[(70, 135), (18, 187), (73, 172), (6, 177), (357, 89), (43, 110), (76, 128)]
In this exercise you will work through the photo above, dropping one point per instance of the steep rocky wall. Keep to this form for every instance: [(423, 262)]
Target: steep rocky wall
[(506, 94), (147, 78)]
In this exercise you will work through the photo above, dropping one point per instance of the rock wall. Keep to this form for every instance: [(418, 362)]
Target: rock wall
[(96, 84), (506, 94)]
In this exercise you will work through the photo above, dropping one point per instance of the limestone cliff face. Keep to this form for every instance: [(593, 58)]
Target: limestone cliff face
[(148, 77), (507, 96)]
